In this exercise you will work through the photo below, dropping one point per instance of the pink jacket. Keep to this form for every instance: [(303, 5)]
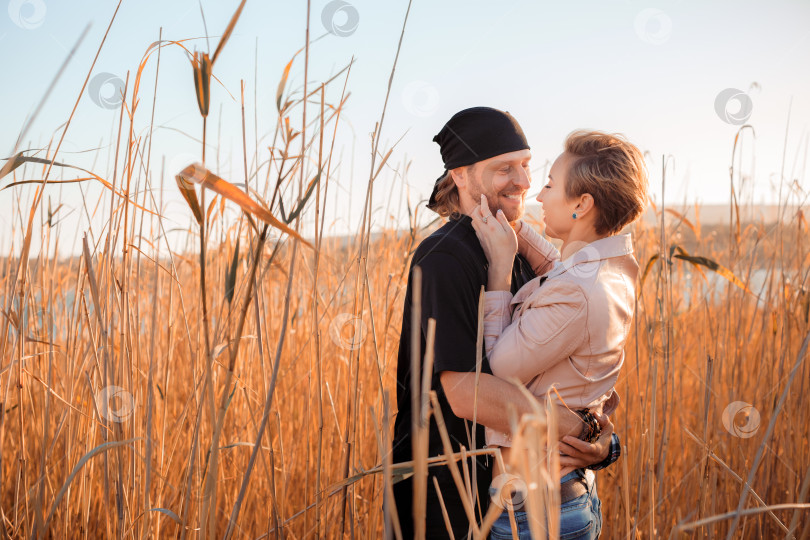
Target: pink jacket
[(570, 333)]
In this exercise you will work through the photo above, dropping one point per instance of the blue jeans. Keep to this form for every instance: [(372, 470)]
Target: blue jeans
[(580, 518)]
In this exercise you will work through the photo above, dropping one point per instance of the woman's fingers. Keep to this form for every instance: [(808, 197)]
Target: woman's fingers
[(476, 216), (604, 421), (485, 212), (503, 221)]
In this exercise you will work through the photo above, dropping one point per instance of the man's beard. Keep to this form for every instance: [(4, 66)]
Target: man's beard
[(493, 199)]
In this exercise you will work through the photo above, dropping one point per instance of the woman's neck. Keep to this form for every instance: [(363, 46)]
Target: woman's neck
[(576, 240)]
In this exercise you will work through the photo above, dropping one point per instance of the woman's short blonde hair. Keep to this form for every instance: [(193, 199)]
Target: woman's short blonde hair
[(612, 171)]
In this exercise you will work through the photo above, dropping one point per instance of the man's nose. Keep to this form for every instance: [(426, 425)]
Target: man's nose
[(523, 179)]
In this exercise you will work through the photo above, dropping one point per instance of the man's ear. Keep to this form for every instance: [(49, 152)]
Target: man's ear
[(459, 176)]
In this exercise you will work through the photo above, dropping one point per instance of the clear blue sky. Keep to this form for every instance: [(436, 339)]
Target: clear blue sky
[(650, 70)]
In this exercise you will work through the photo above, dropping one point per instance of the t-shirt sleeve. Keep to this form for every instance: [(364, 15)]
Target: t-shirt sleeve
[(450, 292)]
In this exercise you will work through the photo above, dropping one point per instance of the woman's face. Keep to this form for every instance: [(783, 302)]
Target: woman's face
[(557, 208)]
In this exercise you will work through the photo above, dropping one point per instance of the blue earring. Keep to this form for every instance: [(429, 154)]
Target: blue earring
[(574, 216)]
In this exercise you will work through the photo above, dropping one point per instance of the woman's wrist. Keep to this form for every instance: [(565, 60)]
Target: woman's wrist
[(499, 279), (522, 244)]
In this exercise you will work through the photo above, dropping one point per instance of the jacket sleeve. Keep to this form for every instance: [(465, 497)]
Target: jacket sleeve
[(540, 253), (548, 330), (497, 316)]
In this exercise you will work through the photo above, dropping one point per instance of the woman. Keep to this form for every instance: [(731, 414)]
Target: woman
[(566, 329)]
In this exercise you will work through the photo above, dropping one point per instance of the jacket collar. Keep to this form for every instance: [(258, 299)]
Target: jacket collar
[(586, 259), (604, 248)]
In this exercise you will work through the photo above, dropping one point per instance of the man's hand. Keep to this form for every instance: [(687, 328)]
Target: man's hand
[(576, 453)]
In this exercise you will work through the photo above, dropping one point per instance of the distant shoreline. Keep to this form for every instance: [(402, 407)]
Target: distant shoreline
[(710, 214)]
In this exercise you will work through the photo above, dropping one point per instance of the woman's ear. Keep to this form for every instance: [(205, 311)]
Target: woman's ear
[(584, 205)]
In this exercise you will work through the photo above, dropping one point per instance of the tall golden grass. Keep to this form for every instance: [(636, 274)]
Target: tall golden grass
[(245, 389)]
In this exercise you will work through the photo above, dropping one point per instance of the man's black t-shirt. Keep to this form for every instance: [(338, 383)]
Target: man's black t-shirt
[(454, 268)]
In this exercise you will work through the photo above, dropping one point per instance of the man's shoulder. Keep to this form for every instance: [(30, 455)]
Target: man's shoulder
[(451, 243)]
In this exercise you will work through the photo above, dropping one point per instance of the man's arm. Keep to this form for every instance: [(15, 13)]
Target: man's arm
[(495, 396)]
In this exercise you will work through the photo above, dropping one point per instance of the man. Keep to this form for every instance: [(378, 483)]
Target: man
[(485, 152)]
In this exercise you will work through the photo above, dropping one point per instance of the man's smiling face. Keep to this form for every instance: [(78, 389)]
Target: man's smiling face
[(504, 179)]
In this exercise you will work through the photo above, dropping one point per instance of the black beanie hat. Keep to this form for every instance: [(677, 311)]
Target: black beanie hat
[(474, 135)]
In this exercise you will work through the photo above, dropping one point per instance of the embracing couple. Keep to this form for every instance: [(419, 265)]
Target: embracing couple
[(556, 321)]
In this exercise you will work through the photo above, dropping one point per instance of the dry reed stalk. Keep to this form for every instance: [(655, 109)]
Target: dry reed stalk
[(479, 349), (625, 487), (452, 465), (315, 305), (427, 377), (300, 196), (203, 66), (736, 514), (447, 524), (537, 505), (794, 522), (392, 527)]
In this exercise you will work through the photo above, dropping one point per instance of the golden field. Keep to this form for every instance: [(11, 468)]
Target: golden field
[(718, 345)]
